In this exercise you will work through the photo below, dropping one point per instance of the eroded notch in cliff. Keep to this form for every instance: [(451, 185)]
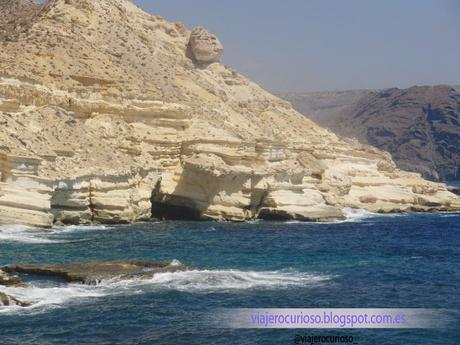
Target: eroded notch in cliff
[(171, 208)]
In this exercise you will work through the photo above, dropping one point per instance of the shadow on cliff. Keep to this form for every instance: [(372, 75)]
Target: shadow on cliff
[(197, 193)]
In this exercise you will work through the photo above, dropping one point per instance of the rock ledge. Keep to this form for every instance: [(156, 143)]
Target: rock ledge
[(93, 273)]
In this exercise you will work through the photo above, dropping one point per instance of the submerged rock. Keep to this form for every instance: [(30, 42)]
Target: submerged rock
[(7, 300), (92, 273)]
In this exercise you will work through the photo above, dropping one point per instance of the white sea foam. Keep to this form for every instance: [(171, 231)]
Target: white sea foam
[(356, 215), (176, 262), (196, 281), (350, 214), (31, 235), (78, 228), (224, 280), (43, 298), (254, 221), (24, 234)]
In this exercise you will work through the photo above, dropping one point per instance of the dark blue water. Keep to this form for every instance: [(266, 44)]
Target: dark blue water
[(410, 261)]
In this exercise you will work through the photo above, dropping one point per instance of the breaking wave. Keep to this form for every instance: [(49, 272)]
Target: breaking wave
[(350, 214), (24, 234), (356, 215), (78, 228), (224, 280), (197, 281), (31, 235)]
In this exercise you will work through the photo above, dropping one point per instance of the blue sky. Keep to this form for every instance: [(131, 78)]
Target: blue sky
[(309, 45)]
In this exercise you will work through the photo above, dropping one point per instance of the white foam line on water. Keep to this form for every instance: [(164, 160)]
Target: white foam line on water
[(224, 280), (351, 216), (357, 215), (196, 281), (78, 228), (31, 235), (24, 234), (44, 298), (449, 214)]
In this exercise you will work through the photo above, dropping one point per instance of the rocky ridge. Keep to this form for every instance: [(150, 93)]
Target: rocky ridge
[(105, 117), (419, 126)]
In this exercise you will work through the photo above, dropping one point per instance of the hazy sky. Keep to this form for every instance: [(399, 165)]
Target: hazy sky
[(308, 45)]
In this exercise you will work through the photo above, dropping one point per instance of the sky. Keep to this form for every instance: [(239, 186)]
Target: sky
[(317, 45)]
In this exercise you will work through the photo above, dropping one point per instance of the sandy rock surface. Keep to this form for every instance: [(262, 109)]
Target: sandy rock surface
[(104, 117)]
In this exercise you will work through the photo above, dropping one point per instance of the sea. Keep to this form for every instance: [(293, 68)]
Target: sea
[(367, 261)]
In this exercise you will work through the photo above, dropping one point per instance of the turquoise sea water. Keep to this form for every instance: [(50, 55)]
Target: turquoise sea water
[(407, 261)]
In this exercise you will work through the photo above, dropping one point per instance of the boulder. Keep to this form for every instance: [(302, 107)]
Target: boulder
[(204, 47), (7, 280)]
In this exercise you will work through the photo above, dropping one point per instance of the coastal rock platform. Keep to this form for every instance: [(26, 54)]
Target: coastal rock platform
[(93, 273)]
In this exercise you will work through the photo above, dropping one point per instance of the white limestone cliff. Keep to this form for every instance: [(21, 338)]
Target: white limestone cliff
[(105, 117)]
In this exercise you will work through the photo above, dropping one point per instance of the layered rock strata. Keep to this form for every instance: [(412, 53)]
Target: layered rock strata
[(104, 117), (419, 126)]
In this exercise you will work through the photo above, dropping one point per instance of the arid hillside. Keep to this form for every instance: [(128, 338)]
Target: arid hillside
[(110, 114), (419, 126)]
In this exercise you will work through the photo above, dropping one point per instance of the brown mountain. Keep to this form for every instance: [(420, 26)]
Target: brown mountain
[(419, 126)]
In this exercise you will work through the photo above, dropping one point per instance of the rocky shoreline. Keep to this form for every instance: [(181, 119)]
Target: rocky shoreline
[(133, 117), (88, 273), (11, 281)]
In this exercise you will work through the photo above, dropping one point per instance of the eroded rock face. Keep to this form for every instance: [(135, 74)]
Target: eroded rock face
[(100, 132), (15, 15), (204, 46)]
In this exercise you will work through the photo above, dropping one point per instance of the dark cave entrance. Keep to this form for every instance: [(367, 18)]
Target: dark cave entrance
[(171, 207), (165, 211)]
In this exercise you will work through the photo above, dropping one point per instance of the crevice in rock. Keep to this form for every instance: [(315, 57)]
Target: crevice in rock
[(255, 208), (91, 206)]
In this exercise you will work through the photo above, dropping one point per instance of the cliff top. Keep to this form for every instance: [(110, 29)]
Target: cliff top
[(115, 49), (68, 59)]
